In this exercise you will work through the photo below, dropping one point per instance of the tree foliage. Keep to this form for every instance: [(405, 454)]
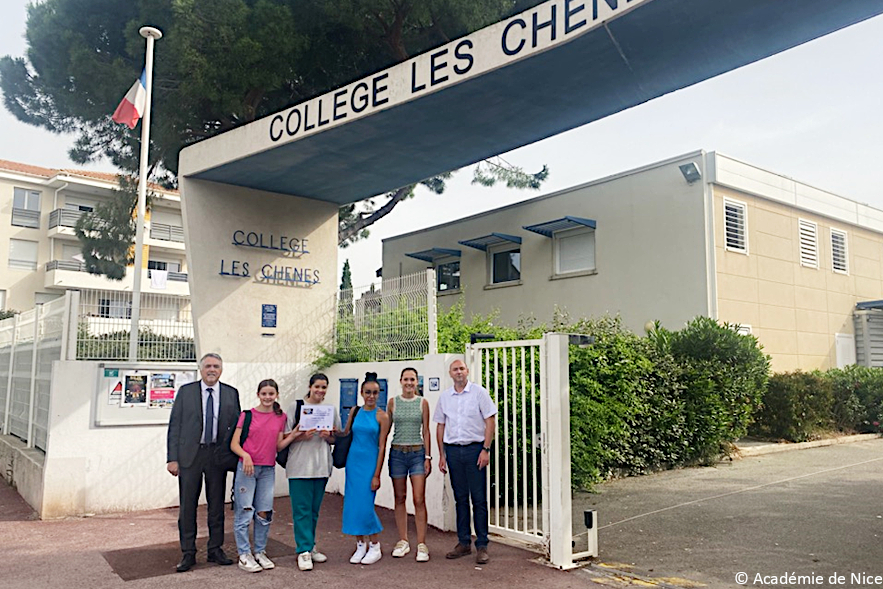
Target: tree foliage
[(222, 64)]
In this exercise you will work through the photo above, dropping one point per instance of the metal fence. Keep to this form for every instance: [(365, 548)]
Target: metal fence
[(105, 320), (396, 321), (29, 343)]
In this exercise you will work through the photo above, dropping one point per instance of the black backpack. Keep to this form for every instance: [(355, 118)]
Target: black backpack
[(282, 455), (246, 424)]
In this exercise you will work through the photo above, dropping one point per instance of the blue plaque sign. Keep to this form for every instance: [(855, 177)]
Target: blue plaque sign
[(268, 315)]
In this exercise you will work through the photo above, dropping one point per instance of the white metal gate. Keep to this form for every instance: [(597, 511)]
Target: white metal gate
[(529, 472)]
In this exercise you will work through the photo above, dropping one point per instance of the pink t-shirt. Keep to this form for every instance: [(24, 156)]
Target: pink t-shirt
[(262, 433)]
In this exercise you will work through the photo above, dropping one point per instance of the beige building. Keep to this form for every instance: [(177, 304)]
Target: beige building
[(699, 234), (40, 255)]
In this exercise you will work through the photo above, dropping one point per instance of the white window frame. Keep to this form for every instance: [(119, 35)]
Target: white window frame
[(808, 243), (2, 300), (556, 252), (167, 262), (744, 208), (843, 234), (24, 264), (29, 196), (444, 262), (499, 249), (743, 329)]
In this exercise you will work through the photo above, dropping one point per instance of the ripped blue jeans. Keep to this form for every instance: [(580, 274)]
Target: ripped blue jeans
[(253, 496)]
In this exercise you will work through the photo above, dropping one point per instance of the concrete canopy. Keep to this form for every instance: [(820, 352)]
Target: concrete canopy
[(623, 53)]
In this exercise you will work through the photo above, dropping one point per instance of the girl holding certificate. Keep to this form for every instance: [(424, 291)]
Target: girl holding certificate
[(410, 457), (370, 427), (309, 466)]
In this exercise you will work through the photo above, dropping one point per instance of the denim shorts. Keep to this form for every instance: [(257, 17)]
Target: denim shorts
[(404, 464)]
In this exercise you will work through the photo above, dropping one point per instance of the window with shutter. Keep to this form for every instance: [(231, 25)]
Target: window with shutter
[(839, 258), (735, 226), (809, 243)]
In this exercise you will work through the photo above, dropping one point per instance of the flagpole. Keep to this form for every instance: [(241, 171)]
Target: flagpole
[(151, 34)]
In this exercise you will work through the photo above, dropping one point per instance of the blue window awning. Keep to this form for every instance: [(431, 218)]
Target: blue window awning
[(482, 243), (433, 254), (549, 228), (865, 305)]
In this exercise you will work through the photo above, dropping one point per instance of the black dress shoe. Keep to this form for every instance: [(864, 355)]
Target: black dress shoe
[(188, 561), (217, 556)]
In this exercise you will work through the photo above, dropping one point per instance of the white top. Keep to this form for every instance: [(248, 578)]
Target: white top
[(309, 459), (216, 401), (464, 413)]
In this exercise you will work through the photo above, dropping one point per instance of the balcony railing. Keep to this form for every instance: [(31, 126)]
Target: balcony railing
[(165, 232), (64, 218), (74, 266), (26, 218), (174, 276)]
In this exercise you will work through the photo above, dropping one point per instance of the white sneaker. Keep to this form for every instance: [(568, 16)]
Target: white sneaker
[(266, 563), (422, 553), (248, 564), (402, 548), (305, 561), (373, 554), (318, 556), (359, 554)]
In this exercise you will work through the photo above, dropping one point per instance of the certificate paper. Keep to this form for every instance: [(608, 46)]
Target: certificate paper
[(319, 417)]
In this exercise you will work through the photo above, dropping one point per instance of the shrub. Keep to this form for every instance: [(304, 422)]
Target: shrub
[(724, 375), (796, 406), (858, 398)]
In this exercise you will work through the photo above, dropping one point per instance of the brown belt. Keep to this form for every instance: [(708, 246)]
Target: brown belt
[(407, 448)]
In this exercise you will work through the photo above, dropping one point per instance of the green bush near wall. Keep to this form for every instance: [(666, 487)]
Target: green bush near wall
[(796, 407), (799, 406), (640, 404)]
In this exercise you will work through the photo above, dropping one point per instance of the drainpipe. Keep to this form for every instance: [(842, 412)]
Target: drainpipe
[(708, 178)]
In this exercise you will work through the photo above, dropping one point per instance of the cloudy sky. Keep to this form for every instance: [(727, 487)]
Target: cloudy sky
[(812, 113)]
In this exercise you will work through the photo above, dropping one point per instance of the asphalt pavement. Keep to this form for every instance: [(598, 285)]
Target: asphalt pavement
[(790, 519), (812, 513)]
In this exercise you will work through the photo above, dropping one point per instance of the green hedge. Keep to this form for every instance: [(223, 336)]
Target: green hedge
[(639, 404), (799, 406)]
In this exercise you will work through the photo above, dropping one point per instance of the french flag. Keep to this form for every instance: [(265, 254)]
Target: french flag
[(132, 106)]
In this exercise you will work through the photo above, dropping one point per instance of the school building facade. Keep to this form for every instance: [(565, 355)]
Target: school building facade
[(697, 234)]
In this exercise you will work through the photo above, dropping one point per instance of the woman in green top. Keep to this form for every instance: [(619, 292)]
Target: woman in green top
[(410, 457)]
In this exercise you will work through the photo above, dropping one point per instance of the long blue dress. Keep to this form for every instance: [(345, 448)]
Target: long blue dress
[(359, 516)]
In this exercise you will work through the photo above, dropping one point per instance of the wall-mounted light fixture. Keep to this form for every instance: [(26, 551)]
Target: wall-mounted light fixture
[(691, 172)]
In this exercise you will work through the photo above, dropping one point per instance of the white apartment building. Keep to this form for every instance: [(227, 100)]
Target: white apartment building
[(698, 234), (40, 255)]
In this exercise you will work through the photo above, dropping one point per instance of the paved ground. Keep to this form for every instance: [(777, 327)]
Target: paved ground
[(94, 552), (816, 511), (813, 512)]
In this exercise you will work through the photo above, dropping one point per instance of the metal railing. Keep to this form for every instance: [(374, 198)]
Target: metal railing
[(29, 343), (394, 322), (26, 218), (73, 266), (165, 232), (104, 322), (64, 218)]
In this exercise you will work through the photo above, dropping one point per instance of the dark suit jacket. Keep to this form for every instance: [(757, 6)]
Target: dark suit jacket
[(185, 423)]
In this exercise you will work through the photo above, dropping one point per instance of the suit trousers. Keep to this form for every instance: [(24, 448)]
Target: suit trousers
[(189, 487)]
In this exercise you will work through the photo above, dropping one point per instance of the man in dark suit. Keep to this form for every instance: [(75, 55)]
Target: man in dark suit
[(202, 414)]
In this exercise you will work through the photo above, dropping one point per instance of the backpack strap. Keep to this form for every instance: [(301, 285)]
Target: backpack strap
[(297, 408)]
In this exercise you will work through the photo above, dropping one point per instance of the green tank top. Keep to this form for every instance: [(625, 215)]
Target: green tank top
[(408, 421)]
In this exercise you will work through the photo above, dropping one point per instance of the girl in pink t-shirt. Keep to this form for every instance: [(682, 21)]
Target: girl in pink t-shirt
[(255, 476)]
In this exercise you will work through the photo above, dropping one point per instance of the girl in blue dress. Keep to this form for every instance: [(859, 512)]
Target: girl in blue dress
[(370, 427)]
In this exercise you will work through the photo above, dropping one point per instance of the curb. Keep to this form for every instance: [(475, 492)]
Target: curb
[(786, 447)]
